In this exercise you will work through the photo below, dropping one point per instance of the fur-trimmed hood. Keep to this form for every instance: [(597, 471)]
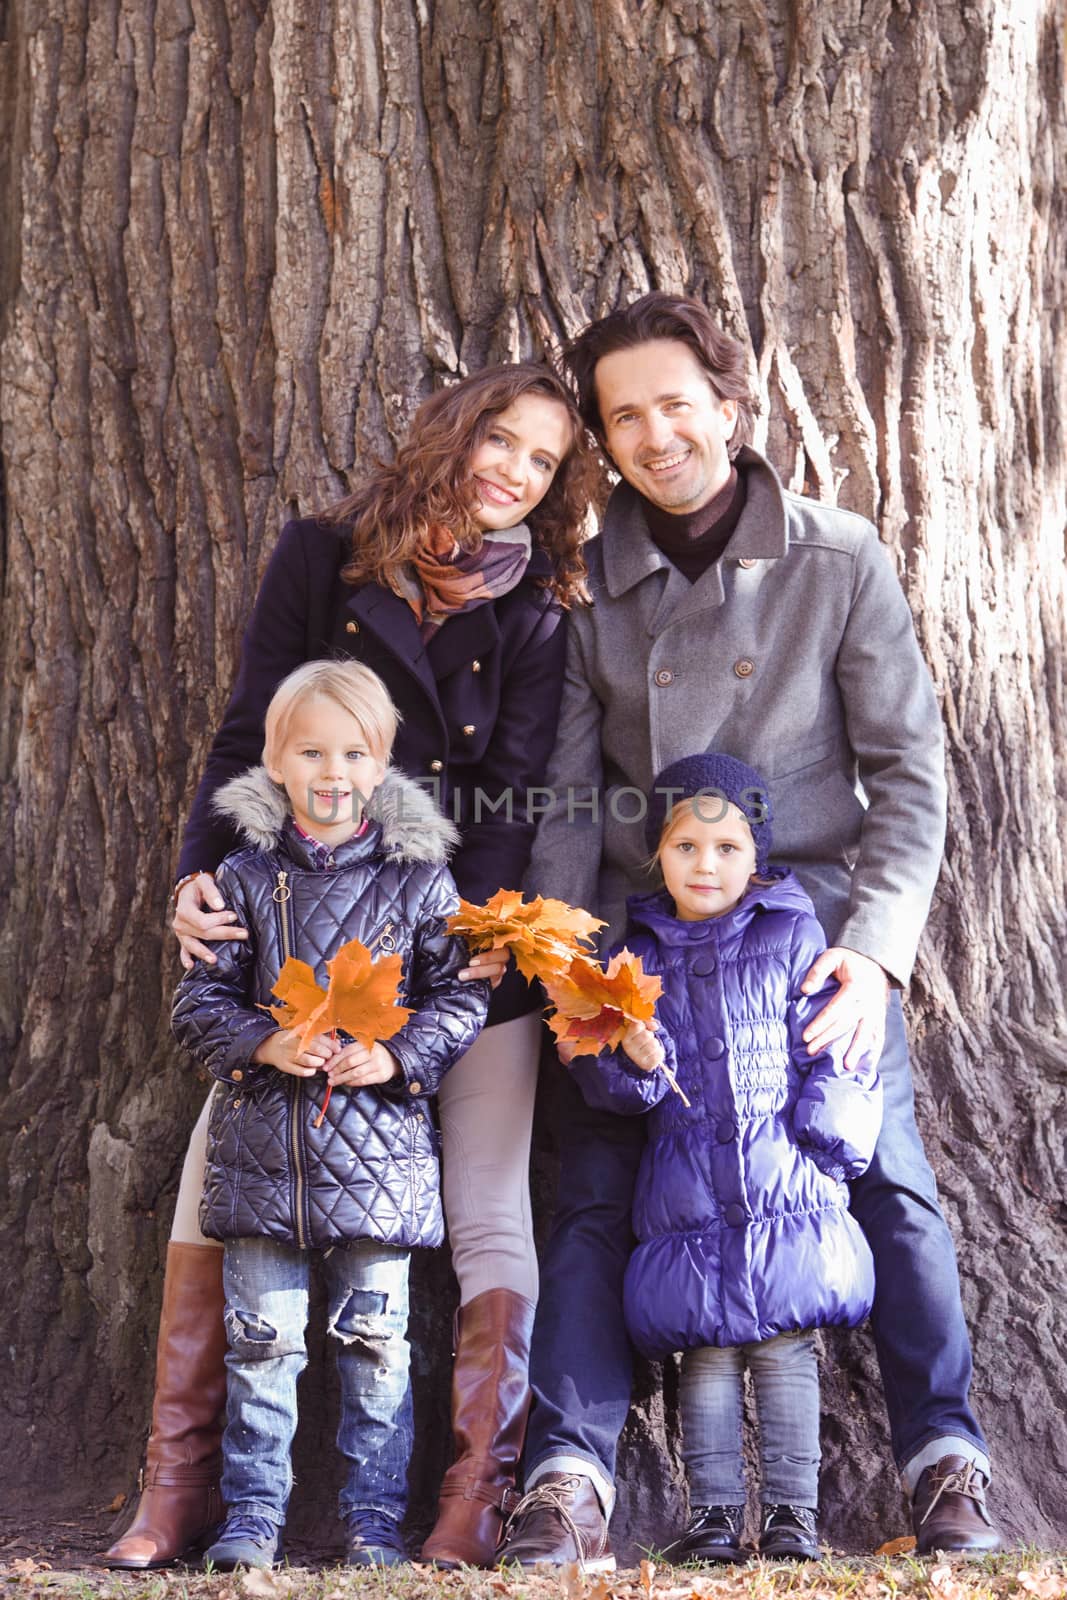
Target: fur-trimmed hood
[(412, 826)]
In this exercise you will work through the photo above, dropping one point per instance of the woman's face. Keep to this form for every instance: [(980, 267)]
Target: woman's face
[(515, 463)]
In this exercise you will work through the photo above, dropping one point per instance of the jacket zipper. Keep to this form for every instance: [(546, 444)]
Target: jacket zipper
[(282, 896)]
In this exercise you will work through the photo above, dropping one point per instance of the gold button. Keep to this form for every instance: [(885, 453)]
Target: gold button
[(468, 728), (415, 1087), (746, 562), (351, 627), (663, 678), (437, 766), (236, 1103), (744, 668), (237, 1075), (476, 666)]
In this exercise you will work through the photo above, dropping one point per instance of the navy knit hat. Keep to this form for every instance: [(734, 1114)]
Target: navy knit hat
[(719, 777)]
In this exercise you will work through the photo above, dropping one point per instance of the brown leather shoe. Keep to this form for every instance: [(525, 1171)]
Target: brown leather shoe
[(948, 1509), (490, 1400), (558, 1521), (180, 1503)]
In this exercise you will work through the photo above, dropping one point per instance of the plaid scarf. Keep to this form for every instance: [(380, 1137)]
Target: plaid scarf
[(444, 578)]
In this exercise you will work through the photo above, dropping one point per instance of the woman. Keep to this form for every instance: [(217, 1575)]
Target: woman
[(447, 572)]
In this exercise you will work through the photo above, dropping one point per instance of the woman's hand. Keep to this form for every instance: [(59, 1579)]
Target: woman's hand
[(491, 964), (201, 913), (282, 1050), (643, 1048), (355, 1066)]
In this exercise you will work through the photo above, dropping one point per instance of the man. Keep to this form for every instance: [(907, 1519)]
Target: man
[(730, 615)]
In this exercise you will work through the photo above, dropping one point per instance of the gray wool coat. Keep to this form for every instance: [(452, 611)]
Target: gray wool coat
[(796, 653)]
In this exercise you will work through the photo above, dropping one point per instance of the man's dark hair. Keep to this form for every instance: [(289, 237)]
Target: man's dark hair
[(664, 316)]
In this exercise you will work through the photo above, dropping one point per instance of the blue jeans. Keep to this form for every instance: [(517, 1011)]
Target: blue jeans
[(785, 1378), (581, 1362), (266, 1285)]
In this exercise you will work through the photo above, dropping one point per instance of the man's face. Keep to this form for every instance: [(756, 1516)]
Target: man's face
[(664, 426)]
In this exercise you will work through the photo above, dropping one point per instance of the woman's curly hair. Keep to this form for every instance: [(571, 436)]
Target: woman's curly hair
[(430, 482)]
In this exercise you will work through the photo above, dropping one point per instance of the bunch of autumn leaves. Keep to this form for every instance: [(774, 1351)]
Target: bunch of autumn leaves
[(591, 1006)]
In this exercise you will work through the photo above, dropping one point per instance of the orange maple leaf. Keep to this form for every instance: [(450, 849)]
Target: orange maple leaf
[(543, 935), (301, 999), (604, 1001), (361, 999), (595, 1006), (363, 993)]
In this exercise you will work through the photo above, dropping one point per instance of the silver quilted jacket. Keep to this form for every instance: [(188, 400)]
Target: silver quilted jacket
[(370, 1170)]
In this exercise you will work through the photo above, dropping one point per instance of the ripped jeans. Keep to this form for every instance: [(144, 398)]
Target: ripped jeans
[(266, 1285)]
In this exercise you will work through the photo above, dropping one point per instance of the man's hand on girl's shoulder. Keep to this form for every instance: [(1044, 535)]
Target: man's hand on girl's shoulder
[(857, 1010)]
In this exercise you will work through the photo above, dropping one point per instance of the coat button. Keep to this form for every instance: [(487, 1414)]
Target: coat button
[(437, 766), (351, 627), (468, 729), (476, 666), (726, 1132), (746, 562), (663, 678), (744, 668), (734, 1216), (713, 1049), (237, 1102), (414, 1087), (703, 966), (237, 1075)]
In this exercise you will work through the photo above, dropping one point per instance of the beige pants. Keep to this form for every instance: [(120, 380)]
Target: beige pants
[(486, 1104)]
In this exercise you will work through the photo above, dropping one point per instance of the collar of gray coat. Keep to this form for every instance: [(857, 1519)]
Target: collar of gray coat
[(762, 532), (412, 826)]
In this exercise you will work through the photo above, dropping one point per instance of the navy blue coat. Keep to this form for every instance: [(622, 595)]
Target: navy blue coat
[(371, 1169), (741, 1207), (479, 703)]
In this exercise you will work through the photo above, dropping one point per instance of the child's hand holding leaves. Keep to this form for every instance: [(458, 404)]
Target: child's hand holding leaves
[(643, 1048), (358, 1065), (287, 1051)]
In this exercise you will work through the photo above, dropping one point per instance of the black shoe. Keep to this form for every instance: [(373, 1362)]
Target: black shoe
[(788, 1534), (245, 1541), (949, 1510), (373, 1540), (713, 1533)]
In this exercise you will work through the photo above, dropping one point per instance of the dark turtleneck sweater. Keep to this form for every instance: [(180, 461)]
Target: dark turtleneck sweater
[(693, 540)]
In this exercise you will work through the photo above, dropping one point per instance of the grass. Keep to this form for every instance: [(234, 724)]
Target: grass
[(1027, 1574)]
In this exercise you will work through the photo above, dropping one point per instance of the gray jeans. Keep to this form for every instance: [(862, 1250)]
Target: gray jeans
[(785, 1378)]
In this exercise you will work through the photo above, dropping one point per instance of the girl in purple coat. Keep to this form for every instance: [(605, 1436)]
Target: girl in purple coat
[(745, 1240)]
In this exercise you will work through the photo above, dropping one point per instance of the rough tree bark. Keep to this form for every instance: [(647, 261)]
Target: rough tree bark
[(243, 239)]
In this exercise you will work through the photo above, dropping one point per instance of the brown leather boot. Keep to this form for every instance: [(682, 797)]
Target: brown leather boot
[(490, 1400), (180, 1500)]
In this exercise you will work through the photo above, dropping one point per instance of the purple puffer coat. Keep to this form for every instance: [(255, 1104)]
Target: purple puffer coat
[(741, 1208)]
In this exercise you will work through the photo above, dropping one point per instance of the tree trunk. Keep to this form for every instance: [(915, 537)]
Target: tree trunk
[(246, 237)]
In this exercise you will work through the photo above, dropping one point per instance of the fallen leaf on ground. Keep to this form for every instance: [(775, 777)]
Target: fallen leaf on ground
[(896, 1547), (116, 1504), (266, 1585), (1043, 1584), (570, 1580), (648, 1568), (26, 1566), (945, 1585)]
